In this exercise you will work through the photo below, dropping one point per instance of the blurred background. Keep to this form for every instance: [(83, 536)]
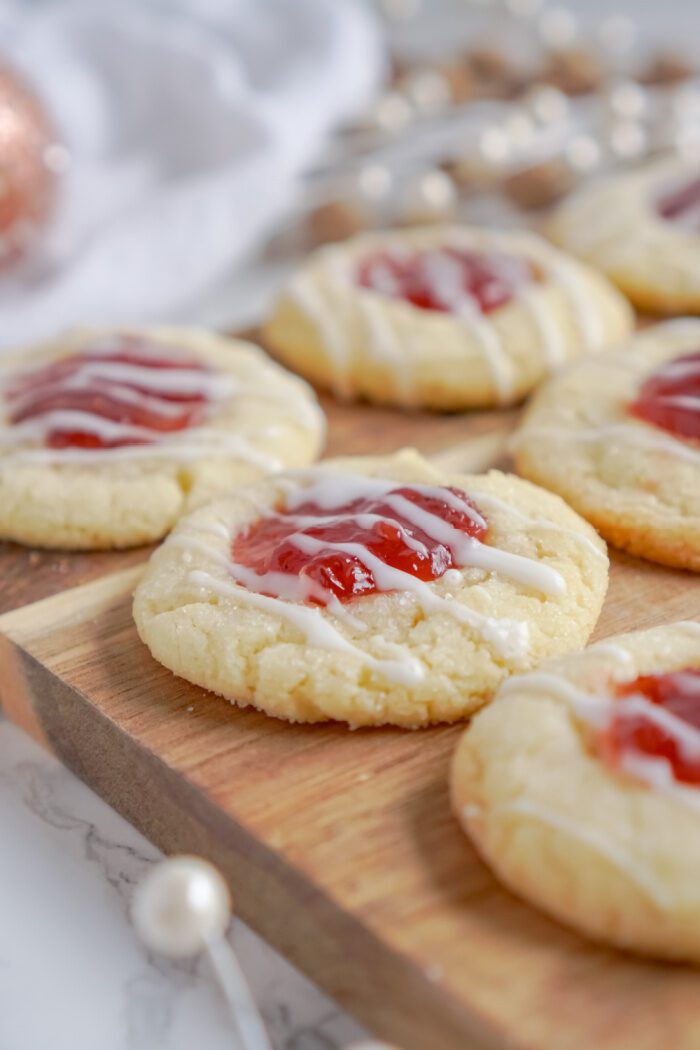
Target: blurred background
[(171, 160)]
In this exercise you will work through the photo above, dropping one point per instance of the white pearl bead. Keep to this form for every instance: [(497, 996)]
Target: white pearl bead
[(392, 113), (628, 139), (627, 99), (181, 904), (430, 196), (428, 90), (583, 153), (519, 129), (547, 104), (374, 182), (494, 145)]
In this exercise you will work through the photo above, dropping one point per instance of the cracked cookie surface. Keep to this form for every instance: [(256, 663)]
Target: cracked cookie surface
[(637, 482), (353, 615), (610, 849)]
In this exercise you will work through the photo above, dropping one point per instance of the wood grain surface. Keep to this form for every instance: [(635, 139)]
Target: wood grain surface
[(339, 845)]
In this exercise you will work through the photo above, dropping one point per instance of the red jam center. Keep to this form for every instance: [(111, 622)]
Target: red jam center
[(130, 382), (679, 694), (681, 204), (450, 280), (280, 543), (670, 397)]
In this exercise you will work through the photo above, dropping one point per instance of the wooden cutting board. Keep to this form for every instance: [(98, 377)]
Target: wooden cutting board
[(339, 845)]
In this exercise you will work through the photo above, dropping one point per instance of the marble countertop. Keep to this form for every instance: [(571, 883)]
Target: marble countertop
[(73, 976)]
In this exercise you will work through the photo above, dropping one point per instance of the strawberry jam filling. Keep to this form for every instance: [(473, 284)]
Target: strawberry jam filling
[(125, 392), (681, 204), (340, 550), (670, 397), (450, 279), (635, 731)]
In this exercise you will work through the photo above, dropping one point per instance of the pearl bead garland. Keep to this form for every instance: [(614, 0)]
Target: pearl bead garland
[(181, 906)]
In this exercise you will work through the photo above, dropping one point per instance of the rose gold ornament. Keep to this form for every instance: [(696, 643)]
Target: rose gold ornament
[(29, 159)]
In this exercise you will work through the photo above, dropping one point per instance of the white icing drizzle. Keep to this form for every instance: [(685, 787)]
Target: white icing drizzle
[(679, 369), (678, 326), (616, 652), (689, 401), (386, 346), (445, 280), (193, 381), (505, 635), (566, 273), (199, 443), (126, 394), (328, 491), (25, 440), (658, 774), (543, 682), (597, 841), (219, 529), (366, 521), (629, 433), (447, 285), (486, 500), (687, 736), (497, 359), (550, 334), (313, 302), (316, 628), (598, 710)]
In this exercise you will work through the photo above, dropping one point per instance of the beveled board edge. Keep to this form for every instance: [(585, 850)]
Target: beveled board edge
[(396, 999)]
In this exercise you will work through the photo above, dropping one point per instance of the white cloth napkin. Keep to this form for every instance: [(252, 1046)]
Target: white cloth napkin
[(188, 124)]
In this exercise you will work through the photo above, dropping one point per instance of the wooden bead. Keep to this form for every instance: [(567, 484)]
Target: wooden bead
[(575, 71), (668, 67), (335, 221), (540, 186)]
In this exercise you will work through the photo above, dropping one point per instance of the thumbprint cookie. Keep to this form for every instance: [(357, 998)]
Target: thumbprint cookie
[(442, 318), (618, 437), (641, 229), (371, 590), (107, 437), (580, 786)]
